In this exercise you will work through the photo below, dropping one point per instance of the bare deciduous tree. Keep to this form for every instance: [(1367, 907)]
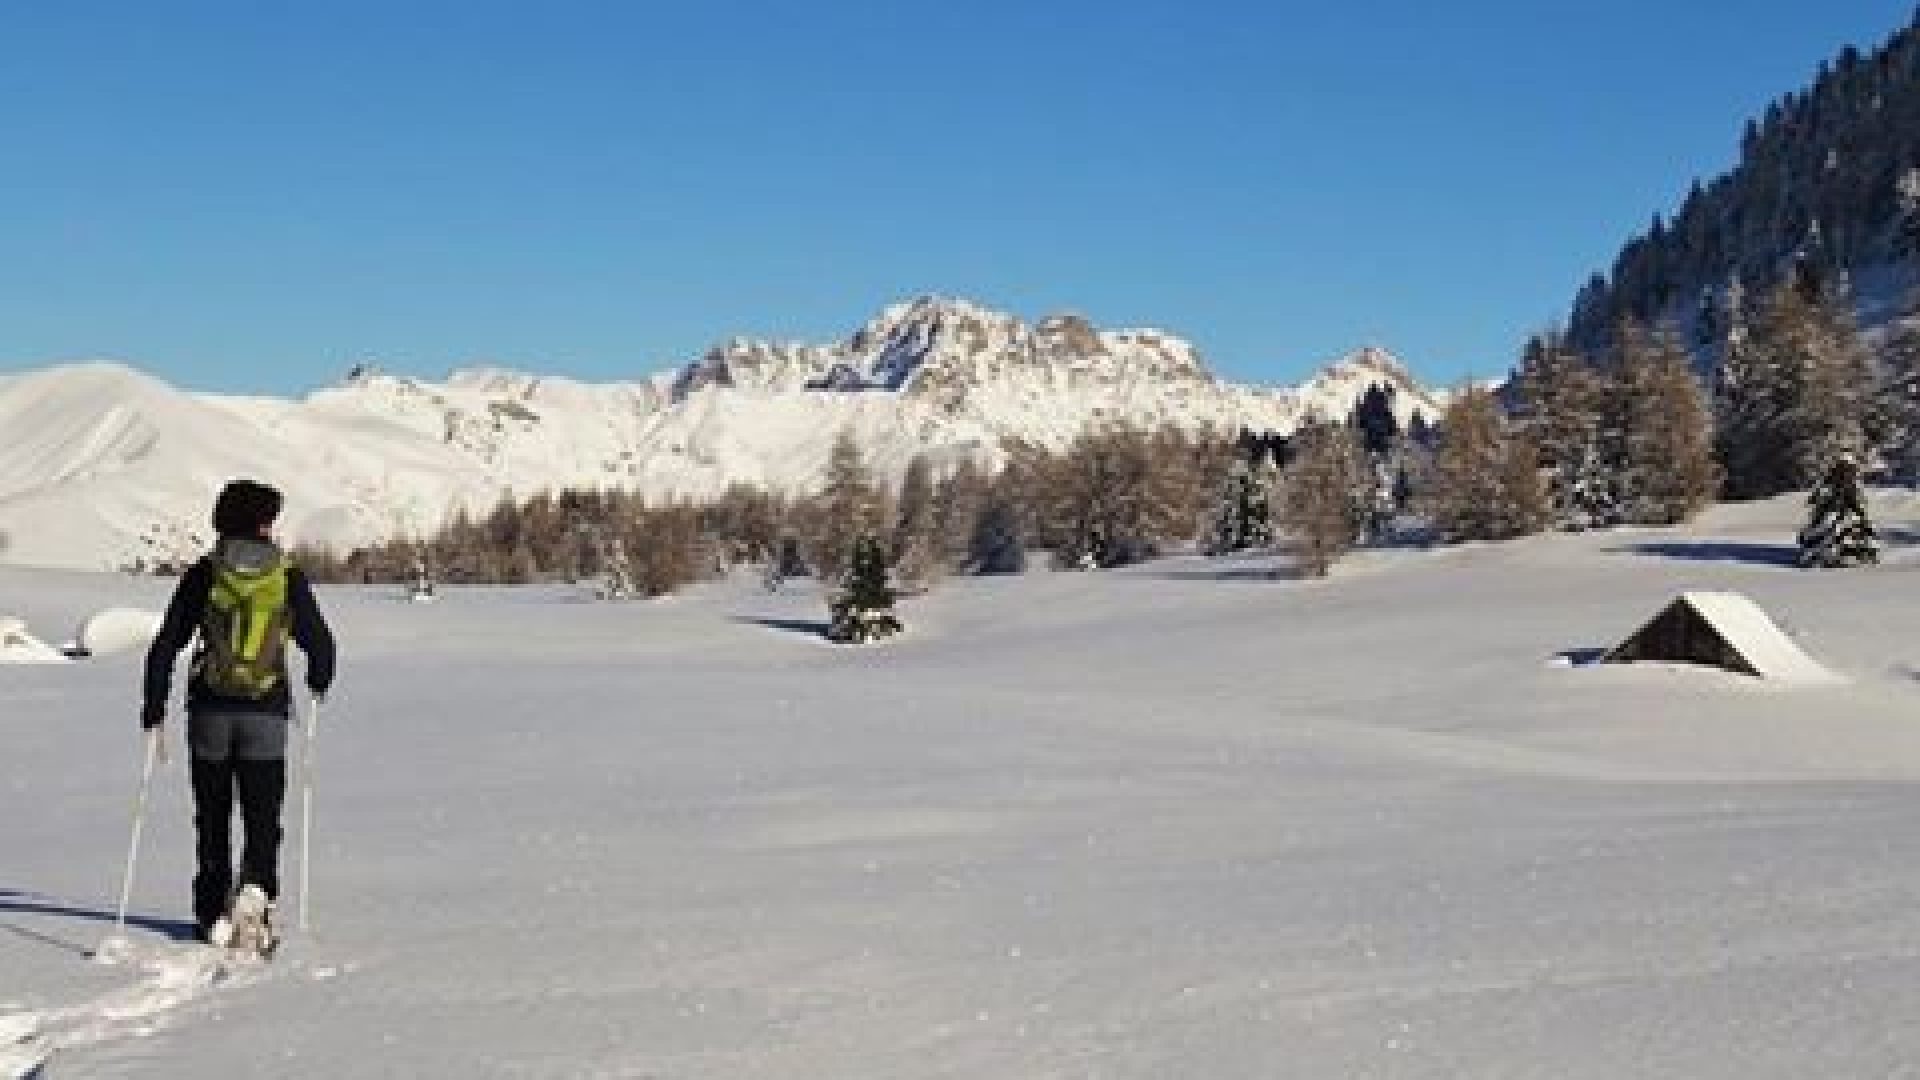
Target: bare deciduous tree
[(1319, 494), (1486, 481)]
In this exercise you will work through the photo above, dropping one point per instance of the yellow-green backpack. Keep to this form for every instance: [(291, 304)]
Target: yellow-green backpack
[(244, 631)]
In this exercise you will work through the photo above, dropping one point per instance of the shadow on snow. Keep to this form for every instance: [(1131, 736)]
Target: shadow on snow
[(1725, 551), (1232, 573), (809, 627), (17, 902)]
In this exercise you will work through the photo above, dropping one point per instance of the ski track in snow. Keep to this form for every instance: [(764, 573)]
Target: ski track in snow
[(168, 977)]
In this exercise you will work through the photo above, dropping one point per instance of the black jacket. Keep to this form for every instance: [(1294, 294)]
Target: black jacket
[(306, 626)]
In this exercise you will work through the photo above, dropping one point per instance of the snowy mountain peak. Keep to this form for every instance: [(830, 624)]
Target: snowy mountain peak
[(942, 349), (1376, 359), (1339, 386)]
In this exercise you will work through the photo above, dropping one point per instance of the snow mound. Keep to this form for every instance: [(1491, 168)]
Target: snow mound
[(117, 630), (19, 647)]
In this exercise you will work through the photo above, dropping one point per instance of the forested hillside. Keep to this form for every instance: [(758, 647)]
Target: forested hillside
[(1828, 176)]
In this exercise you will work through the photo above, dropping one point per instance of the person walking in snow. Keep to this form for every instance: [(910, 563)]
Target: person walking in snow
[(242, 601)]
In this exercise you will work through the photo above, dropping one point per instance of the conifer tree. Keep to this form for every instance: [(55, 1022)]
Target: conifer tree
[(1907, 227), (1104, 505), (997, 544), (1753, 394), (915, 542), (1263, 487), (1666, 469), (847, 507), (1486, 482), (1523, 506), (1900, 399), (1793, 392), (671, 548), (1559, 398), (748, 523), (1381, 495), (420, 585), (617, 580), (862, 609), (1320, 505), (956, 509), (1838, 382), (1245, 512), (1373, 417), (1838, 532)]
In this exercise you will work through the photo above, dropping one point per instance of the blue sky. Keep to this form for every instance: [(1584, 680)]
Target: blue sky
[(252, 197)]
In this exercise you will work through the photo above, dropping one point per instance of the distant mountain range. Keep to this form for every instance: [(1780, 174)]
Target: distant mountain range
[(103, 466)]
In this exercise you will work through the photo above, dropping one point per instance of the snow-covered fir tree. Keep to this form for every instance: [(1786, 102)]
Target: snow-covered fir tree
[(1793, 390), (1384, 451), (420, 584), (616, 580), (1244, 518), (1900, 399), (1558, 398), (1838, 532), (1585, 492), (862, 609), (1908, 188), (1382, 482)]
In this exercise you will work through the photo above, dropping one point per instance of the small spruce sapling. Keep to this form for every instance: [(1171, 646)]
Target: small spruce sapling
[(862, 609), (1838, 532)]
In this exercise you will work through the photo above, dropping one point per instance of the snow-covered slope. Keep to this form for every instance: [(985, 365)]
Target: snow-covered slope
[(1178, 821), (103, 467)]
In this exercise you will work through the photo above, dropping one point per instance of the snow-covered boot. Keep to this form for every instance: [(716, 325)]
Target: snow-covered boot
[(251, 923)]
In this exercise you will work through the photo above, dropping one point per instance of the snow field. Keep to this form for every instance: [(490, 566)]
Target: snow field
[(1179, 820)]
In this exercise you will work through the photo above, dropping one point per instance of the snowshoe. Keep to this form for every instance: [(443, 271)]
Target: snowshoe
[(249, 929)]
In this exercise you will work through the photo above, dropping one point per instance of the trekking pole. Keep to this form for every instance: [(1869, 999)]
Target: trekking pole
[(155, 752), (306, 813)]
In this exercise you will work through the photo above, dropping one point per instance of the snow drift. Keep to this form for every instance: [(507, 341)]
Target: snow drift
[(117, 630)]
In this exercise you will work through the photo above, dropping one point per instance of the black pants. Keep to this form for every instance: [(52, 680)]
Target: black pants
[(222, 769)]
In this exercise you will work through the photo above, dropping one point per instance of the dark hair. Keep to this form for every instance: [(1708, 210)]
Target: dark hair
[(244, 507)]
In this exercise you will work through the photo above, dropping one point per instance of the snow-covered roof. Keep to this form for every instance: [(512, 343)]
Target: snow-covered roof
[(1750, 630), (1745, 629)]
